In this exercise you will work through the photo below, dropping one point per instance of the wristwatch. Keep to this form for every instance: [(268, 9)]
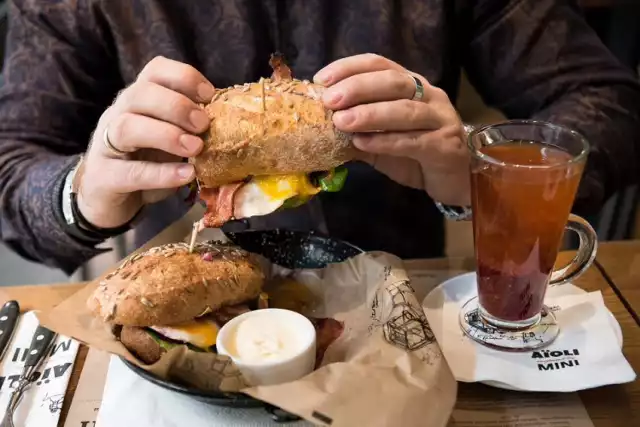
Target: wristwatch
[(457, 213), (76, 224)]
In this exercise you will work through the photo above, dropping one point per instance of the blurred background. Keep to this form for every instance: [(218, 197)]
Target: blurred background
[(615, 21)]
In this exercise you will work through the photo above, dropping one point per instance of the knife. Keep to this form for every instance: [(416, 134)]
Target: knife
[(9, 315), (40, 345)]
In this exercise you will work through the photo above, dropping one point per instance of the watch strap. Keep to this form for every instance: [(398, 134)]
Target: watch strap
[(88, 227), (455, 213), (75, 224), (71, 229)]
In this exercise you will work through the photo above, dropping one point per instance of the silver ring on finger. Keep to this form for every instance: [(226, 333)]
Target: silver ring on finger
[(112, 148), (419, 93)]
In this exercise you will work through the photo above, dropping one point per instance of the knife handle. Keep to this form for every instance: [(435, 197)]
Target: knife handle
[(40, 344), (9, 314)]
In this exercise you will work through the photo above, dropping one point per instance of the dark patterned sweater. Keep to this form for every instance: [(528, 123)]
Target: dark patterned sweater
[(67, 59)]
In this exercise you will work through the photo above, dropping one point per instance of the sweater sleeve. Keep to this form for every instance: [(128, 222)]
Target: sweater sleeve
[(539, 59), (59, 75)]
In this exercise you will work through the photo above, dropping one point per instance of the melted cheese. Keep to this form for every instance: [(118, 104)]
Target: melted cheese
[(283, 187), (200, 333), (265, 194)]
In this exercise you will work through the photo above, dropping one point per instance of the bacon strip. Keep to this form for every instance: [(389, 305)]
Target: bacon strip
[(210, 197), (327, 331), (280, 70), (219, 203)]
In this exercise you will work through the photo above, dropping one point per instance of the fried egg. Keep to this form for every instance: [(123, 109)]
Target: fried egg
[(265, 194), (201, 333)]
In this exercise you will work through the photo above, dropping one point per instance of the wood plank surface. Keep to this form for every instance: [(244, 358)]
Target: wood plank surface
[(621, 262), (610, 406)]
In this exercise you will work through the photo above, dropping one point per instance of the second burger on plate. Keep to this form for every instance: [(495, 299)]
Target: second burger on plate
[(168, 296)]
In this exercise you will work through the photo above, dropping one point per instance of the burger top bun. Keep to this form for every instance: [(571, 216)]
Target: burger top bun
[(167, 285), (274, 126)]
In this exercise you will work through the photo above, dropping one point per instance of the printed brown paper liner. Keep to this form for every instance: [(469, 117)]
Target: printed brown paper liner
[(385, 369)]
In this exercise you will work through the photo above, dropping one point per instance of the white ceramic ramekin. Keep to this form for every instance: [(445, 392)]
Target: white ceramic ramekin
[(268, 372)]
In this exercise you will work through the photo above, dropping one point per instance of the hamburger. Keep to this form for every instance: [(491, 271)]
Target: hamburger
[(170, 296), (271, 145)]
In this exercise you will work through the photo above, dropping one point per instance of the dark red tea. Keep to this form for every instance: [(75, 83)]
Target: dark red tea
[(521, 201)]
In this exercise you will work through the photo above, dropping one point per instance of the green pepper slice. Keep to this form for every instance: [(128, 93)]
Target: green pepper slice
[(162, 343), (334, 180), (166, 345), (295, 201)]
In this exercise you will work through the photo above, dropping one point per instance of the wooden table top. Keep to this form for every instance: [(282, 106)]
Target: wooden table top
[(621, 264), (609, 406), (617, 405)]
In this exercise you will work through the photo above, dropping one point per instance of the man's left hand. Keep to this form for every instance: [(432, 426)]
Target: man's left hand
[(418, 143)]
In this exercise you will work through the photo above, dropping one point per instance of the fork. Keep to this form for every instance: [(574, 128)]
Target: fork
[(7, 420), (40, 345)]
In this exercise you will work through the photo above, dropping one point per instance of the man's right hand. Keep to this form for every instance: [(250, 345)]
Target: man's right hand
[(151, 126)]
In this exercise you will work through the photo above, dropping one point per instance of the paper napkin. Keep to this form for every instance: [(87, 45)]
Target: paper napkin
[(42, 401), (586, 354), (129, 400)]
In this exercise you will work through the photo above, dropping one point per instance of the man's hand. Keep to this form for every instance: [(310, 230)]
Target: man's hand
[(151, 126), (417, 143)]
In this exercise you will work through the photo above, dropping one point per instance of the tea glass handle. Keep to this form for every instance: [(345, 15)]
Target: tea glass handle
[(585, 255)]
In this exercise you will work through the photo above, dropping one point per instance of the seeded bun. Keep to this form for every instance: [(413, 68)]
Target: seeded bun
[(167, 285), (267, 128)]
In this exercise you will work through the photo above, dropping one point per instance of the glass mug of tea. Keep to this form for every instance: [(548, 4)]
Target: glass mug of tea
[(524, 178)]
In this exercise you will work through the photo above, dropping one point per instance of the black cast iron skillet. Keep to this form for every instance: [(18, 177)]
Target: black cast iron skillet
[(289, 249)]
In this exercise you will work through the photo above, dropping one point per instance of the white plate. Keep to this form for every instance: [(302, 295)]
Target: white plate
[(567, 289)]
